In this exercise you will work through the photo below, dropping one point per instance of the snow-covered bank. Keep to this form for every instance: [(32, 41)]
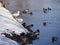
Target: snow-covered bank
[(6, 41), (7, 22), (7, 25)]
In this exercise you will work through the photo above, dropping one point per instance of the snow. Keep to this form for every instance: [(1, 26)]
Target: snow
[(6, 41), (9, 24)]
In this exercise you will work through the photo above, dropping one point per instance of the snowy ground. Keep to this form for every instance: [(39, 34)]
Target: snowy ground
[(7, 25), (6, 41), (52, 18)]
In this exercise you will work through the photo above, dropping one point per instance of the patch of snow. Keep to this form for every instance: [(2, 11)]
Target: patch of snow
[(8, 22), (7, 25), (6, 41)]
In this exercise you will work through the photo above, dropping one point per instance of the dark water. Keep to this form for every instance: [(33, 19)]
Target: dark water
[(52, 18)]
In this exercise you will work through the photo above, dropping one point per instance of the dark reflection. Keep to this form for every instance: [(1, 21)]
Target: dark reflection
[(31, 13), (44, 24), (54, 39)]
